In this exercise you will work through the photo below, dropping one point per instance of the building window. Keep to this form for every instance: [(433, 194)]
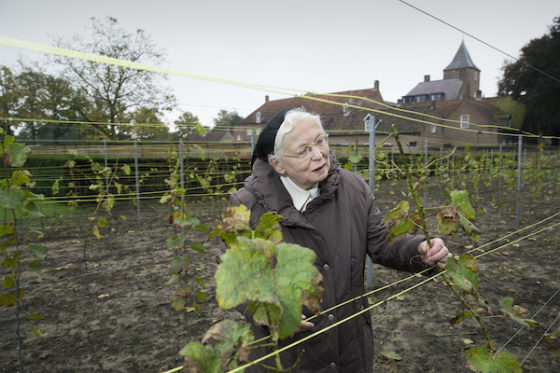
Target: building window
[(412, 144), (465, 120), (433, 128), (421, 98), (475, 76), (408, 99), (436, 96), (259, 117)]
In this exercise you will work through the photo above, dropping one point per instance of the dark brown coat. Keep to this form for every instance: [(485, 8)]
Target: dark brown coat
[(341, 226)]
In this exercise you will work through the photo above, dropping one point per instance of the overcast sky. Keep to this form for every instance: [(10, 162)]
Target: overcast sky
[(316, 45)]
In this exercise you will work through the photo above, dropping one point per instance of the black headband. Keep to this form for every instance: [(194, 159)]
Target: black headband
[(265, 143)]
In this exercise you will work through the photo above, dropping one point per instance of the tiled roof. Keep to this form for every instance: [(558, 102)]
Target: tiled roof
[(461, 60), (333, 116), (449, 87)]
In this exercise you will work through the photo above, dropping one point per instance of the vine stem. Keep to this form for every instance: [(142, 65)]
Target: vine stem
[(474, 314), (412, 190), (420, 208), (273, 329)]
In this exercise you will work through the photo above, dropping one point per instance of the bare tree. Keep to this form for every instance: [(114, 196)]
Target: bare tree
[(116, 91)]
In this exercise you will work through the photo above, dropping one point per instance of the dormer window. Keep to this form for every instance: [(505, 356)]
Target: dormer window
[(408, 99), (259, 117), (465, 118), (421, 98), (436, 96)]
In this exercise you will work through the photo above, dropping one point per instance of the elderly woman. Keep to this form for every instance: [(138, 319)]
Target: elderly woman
[(332, 212)]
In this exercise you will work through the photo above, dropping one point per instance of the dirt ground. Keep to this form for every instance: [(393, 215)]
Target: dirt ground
[(111, 312)]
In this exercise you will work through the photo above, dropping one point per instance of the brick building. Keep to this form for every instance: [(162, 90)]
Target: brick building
[(450, 111)]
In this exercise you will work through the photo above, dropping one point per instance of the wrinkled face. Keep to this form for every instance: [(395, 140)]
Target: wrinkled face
[(305, 157)]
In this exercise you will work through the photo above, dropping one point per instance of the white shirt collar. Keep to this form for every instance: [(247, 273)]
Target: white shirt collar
[(300, 196)]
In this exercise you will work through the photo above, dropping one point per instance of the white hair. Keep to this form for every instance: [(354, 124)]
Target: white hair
[(291, 119)]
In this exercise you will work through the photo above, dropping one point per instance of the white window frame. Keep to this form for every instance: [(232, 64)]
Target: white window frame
[(465, 119), (433, 128)]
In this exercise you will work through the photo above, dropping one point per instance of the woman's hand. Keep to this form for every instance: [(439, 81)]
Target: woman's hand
[(304, 325), (438, 253)]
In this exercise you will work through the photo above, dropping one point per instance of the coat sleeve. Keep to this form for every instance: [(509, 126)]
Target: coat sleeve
[(401, 255)]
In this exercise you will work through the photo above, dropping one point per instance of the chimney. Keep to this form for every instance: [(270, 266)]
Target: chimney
[(376, 85), (426, 78), (265, 99)]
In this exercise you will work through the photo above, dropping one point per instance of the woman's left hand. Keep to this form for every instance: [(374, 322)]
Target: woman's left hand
[(438, 253)]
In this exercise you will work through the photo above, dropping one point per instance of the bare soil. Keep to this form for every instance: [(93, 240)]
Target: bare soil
[(106, 307)]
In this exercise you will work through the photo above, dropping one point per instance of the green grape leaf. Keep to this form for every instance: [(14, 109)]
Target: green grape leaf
[(12, 197), (20, 177), (95, 232), (35, 266), (126, 169), (468, 226), (201, 358), (448, 220), (235, 222), (481, 360), (38, 250), (391, 355), (460, 198), (197, 246), (101, 222), (463, 272), (397, 222), (269, 228), (178, 304), (201, 296), (298, 281), (6, 229), (15, 154), (460, 316), (8, 282), (516, 313), (10, 299), (176, 241), (35, 316), (246, 274), (221, 343), (275, 289)]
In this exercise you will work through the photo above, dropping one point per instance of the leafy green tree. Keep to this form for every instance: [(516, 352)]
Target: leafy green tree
[(226, 120), (58, 104), (8, 97), (115, 91), (30, 85), (147, 125), (186, 124), (534, 79)]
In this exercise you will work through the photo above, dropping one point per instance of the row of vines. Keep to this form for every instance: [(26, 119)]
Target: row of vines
[(98, 188)]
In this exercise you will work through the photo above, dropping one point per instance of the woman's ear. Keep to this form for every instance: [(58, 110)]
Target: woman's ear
[(276, 164)]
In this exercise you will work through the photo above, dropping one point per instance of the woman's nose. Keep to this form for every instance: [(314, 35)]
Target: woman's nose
[(316, 152)]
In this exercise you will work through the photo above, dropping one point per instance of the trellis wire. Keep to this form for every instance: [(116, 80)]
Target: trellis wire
[(540, 339), (525, 326)]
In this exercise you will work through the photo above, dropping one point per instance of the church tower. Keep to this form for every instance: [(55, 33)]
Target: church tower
[(462, 67)]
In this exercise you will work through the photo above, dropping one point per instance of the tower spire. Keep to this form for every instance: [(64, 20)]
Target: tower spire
[(462, 59)]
